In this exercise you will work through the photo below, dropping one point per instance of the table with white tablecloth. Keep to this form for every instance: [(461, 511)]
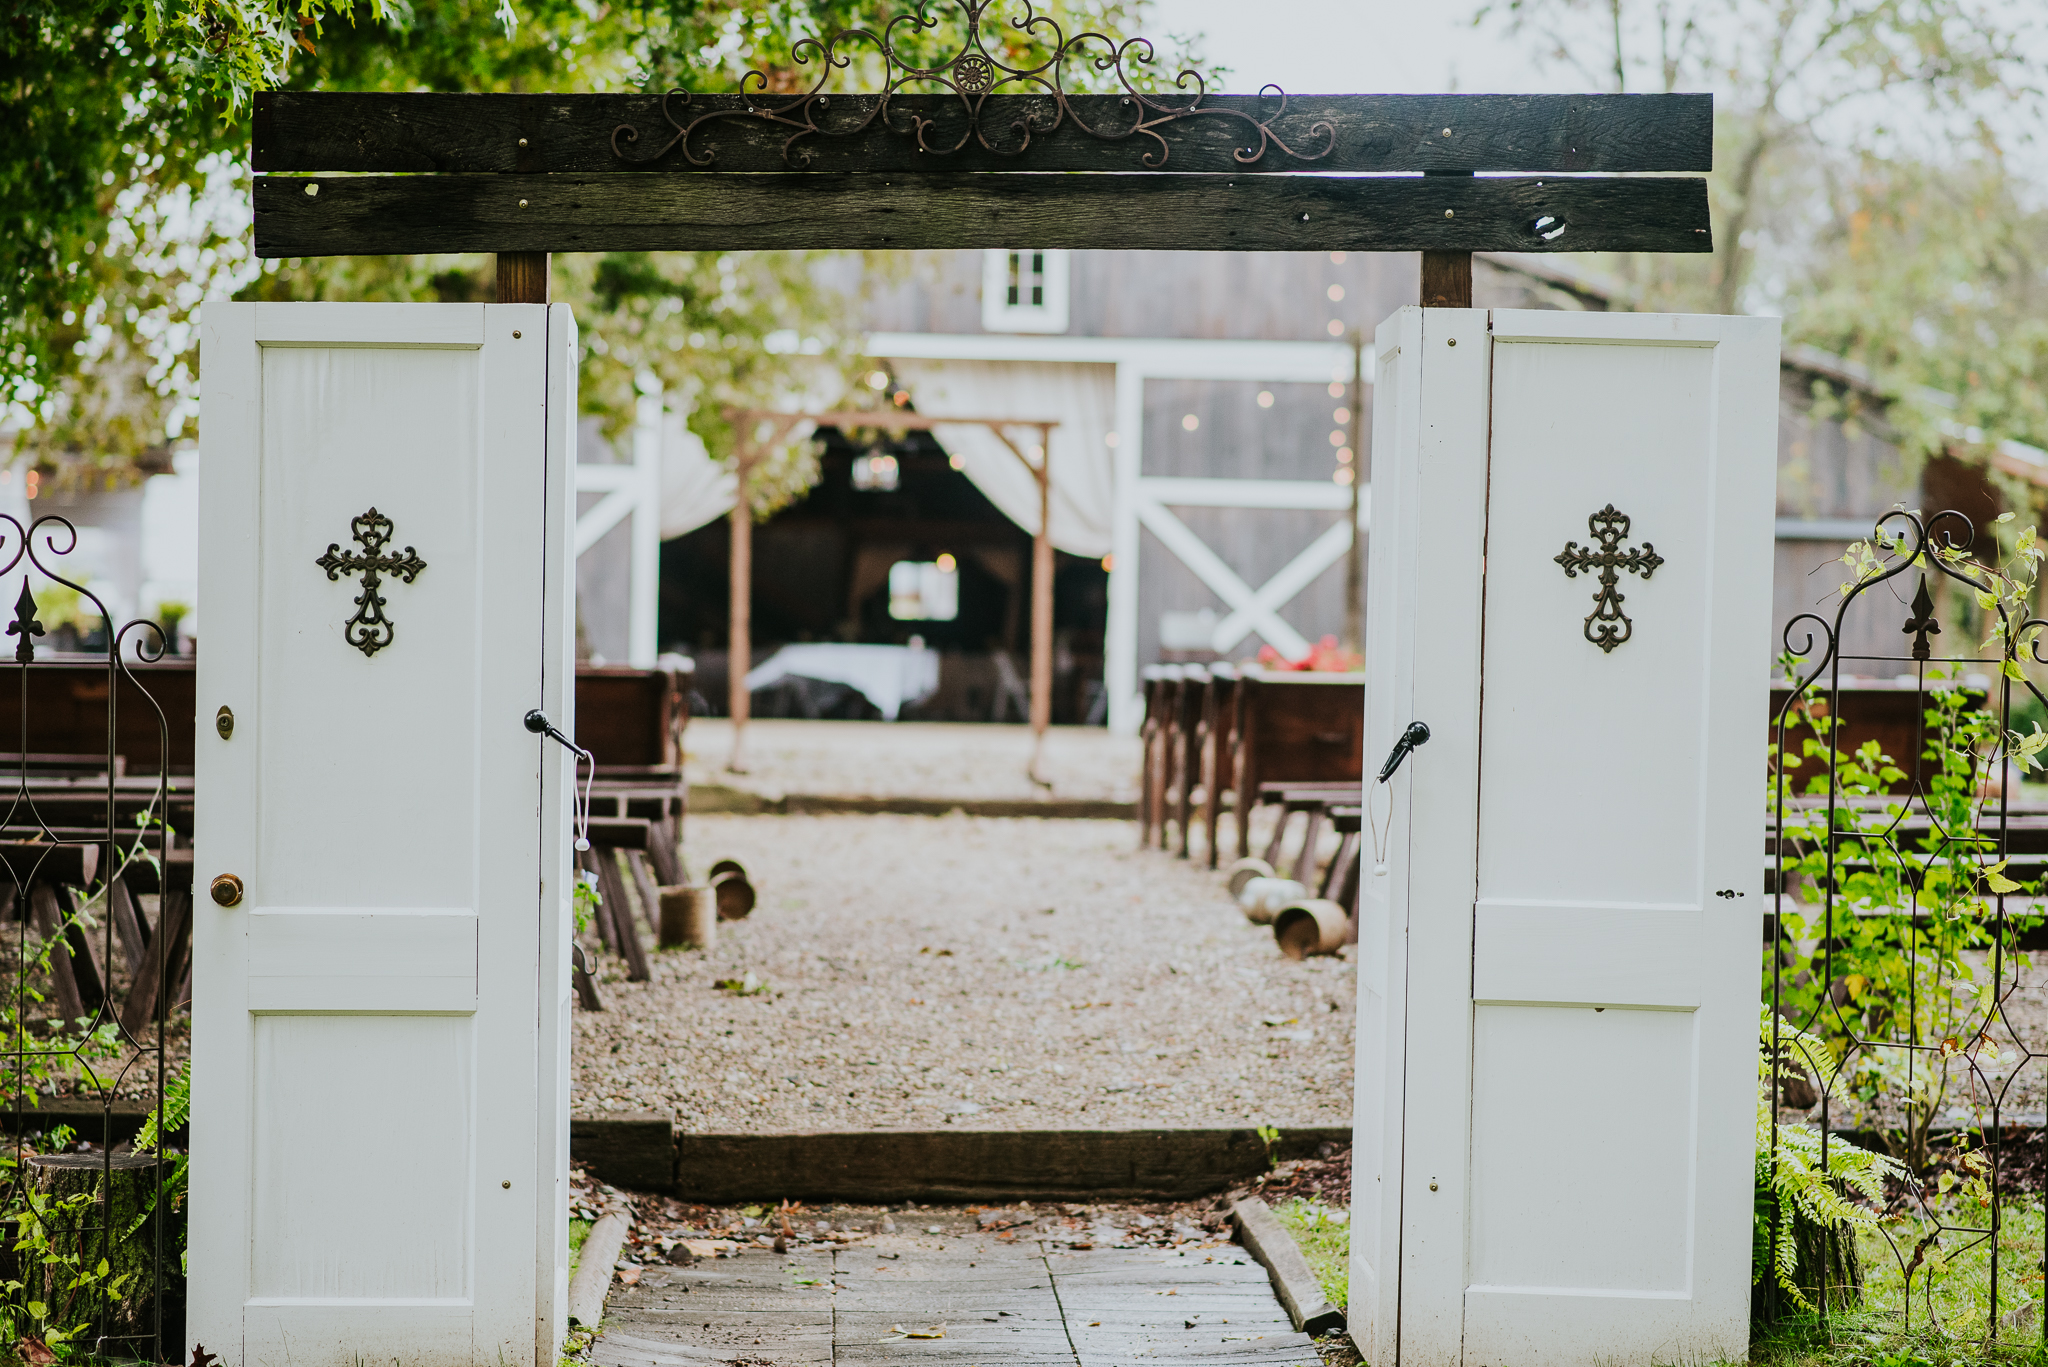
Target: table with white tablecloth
[(887, 676)]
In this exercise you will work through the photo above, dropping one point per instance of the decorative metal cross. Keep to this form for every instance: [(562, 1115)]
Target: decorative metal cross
[(370, 630), (1607, 626)]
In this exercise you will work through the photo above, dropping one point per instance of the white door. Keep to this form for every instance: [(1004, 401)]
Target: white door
[(1559, 970), (379, 1022)]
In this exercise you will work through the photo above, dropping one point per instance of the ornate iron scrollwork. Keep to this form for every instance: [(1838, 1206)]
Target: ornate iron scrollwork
[(972, 74), (370, 630), (1607, 626)]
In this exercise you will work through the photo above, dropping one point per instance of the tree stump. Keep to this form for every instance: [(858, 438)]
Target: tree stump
[(83, 1208), (1821, 1249)]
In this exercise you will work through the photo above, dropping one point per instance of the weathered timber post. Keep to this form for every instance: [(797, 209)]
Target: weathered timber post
[(1041, 605), (739, 633), (522, 277)]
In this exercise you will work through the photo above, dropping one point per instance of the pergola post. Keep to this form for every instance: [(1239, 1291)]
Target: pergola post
[(739, 630), (748, 451), (1041, 606)]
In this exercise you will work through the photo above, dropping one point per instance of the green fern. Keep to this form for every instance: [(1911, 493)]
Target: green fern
[(177, 1110), (1791, 1173)]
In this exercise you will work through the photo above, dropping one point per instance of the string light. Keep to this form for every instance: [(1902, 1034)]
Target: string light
[(1342, 474), (1265, 398)]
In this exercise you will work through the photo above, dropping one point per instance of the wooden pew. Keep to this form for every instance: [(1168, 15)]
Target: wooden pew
[(1295, 727), (1185, 749), (1218, 746), (632, 720), (1152, 751)]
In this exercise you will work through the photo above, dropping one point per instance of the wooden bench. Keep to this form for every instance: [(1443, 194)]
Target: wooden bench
[(1218, 746), (632, 720), (1294, 727)]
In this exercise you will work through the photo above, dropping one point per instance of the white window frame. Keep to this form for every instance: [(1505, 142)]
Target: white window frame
[(998, 314)]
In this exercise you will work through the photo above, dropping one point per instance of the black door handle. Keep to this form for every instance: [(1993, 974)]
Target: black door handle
[(1416, 734)]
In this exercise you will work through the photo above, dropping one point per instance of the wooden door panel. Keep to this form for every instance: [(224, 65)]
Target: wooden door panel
[(374, 1161)]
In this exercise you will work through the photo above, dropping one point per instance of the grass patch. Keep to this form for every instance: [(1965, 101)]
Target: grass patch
[(1951, 1292), (1323, 1233), (579, 1230)]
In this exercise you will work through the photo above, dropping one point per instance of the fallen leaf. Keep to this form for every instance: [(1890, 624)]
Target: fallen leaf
[(34, 1352), (630, 1276), (711, 1248), (931, 1331)]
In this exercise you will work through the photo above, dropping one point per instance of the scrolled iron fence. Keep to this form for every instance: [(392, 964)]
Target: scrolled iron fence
[(1907, 870), (94, 935)]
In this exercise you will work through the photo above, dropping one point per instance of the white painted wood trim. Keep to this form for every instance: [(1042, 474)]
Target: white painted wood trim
[(603, 479), (1296, 575), (224, 825), (1120, 636), (609, 511), (643, 623), (557, 696), (1250, 611), (1643, 329), (1442, 584), (1316, 495), (424, 326), (1157, 358), (1374, 1317)]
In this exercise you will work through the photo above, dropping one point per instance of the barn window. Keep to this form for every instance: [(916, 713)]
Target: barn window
[(924, 590), (1024, 291)]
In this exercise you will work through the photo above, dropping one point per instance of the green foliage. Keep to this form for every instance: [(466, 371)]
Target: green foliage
[(1270, 1137), (119, 215), (1924, 268), (1792, 1183), (1323, 1234), (1910, 906)]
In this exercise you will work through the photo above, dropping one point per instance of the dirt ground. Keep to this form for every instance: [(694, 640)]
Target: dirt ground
[(905, 971)]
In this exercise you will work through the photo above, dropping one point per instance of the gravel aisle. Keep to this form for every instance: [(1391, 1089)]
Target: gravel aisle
[(991, 973)]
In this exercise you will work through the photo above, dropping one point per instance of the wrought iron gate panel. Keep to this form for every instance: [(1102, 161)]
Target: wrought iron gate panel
[(92, 1231), (1899, 897)]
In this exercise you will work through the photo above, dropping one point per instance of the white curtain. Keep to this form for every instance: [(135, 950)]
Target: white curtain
[(694, 488), (1081, 398)]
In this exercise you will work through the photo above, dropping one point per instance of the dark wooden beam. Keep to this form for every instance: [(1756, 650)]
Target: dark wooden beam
[(316, 132), (386, 215)]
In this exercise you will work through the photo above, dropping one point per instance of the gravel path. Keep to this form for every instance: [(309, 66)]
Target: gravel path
[(912, 759), (991, 973)]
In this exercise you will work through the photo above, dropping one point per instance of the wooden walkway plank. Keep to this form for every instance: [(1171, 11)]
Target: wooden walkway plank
[(1022, 1304)]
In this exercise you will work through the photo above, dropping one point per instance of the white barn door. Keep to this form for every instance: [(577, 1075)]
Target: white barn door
[(378, 1019), (1573, 893)]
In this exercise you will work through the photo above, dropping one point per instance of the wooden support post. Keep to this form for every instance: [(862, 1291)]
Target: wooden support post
[(1447, 280), (1446, 276), (522, 277), (740, 639), (1041, 608)]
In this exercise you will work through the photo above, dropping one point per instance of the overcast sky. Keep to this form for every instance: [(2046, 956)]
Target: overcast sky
[(1339, 46)]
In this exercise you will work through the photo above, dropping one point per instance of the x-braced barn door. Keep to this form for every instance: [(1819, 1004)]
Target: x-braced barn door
[(1570, 584), (379, 987)]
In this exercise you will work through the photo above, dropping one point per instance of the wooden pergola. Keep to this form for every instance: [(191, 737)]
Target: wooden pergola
[(955, 154), (751, 446)]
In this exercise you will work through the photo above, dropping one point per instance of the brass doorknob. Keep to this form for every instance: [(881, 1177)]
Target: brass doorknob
[(227, 890)]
